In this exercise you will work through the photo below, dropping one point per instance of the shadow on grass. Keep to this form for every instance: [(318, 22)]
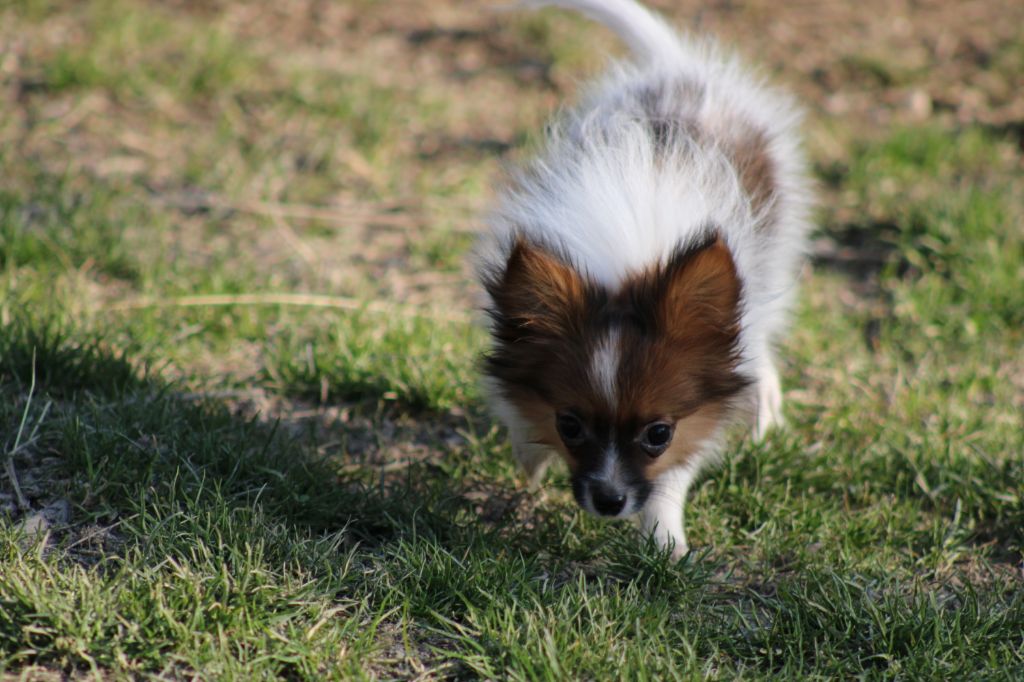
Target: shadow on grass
[(457, 554), (127, 442), (1011, 130), (501, 53), (121, 434), (862, 251)]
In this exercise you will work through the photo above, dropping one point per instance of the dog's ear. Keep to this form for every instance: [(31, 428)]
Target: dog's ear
[(700, 293), (691, 304), (693, 298), (537, 296)]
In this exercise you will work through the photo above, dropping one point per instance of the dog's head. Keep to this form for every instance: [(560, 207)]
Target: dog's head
[(624, 384)]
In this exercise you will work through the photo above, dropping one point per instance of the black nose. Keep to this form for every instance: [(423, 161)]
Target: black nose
[(607, 502)]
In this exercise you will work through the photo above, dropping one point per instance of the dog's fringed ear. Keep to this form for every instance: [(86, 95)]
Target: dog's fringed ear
[(537, 296), (699, 295)]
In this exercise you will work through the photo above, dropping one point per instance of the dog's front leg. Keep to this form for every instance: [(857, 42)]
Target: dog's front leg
[(769, 401), (662, 515)]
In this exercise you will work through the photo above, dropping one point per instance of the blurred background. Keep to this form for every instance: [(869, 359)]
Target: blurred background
[(348, 147)]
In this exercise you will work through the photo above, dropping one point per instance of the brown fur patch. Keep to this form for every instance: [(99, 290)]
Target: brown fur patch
[(543, 320), (691, 433), (541, 418), (755, 168), (677, 327), (538, 293), (673, 111)]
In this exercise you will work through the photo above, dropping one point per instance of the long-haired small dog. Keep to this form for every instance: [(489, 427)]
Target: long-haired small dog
[(640, 271)]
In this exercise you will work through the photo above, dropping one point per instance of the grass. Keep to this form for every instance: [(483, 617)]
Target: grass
[(265, 490)]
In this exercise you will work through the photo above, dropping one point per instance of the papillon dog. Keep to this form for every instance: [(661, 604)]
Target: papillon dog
[(640, 270)]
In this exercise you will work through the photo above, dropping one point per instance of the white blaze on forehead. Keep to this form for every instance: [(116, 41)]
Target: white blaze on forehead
[(604, 367)]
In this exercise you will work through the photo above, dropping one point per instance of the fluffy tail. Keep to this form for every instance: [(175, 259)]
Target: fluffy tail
[(645, 33)]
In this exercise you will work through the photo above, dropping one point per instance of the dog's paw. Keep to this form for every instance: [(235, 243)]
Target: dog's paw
[(679, 551), (667, 531)]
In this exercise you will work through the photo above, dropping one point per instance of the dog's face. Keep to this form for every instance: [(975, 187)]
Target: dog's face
[(624, 384)]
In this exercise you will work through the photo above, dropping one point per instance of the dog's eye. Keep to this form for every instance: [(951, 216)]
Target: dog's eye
[(570, 428), (656, 437)]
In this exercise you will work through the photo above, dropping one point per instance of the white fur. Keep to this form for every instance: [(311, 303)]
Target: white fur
[(646, 34), (662, 516), (602, 195), (769, 400), (604, 367)]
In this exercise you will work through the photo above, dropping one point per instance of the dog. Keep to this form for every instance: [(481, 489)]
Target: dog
[(639, 272)]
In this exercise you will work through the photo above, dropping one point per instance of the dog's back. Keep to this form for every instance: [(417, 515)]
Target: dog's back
[(677, 138)]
